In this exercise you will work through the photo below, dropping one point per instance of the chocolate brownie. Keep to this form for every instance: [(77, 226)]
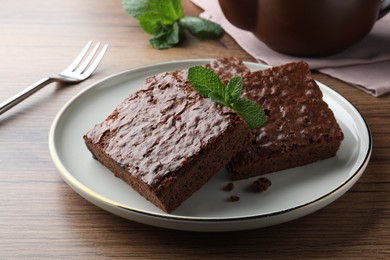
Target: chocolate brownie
[(166, 140), (301, 128), (227, 68)]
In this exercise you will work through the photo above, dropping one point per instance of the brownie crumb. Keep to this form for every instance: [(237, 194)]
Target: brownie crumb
[(234, 198), (261, 184), (228, 187)]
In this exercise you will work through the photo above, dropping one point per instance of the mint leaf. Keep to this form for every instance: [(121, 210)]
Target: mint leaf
[(154, 23), (234, 88), (208, 84), (250, 112), (136, 8), (217, 98), (171, 9), (155, 16), (166, 38), (205, 81), (201, 28), (154, 13)]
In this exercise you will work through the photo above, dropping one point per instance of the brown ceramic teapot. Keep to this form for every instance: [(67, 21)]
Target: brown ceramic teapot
[(306, 27)]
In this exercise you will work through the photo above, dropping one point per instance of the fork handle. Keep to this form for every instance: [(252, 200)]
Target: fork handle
[(22, 95)]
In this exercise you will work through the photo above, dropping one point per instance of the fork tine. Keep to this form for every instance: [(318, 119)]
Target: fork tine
[(78, 59), (80, 69), (95, 63)]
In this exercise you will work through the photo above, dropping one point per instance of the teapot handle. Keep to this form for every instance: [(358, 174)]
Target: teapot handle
[(385, 8)]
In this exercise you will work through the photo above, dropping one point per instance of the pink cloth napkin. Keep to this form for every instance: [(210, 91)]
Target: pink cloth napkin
[(365, 65)]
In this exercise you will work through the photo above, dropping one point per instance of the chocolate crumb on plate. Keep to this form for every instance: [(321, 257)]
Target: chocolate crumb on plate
[(228, 187), (234, 198), (261, 184)]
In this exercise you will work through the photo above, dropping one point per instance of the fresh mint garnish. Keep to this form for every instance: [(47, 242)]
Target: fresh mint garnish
[(205, 81), (209, 85), (165, 21)]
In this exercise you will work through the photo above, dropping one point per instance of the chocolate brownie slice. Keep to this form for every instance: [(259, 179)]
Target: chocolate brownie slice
[(227, 68), (167, 141), (301, 128)]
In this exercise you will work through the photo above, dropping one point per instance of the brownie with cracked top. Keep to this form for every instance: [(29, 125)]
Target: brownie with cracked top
[(166, 140), (301, 128)]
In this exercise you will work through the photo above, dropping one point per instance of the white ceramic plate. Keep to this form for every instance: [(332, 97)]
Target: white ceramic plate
[(294, 192)]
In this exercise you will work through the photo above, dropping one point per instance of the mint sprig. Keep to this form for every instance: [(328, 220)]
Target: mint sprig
[(165, 21), (209, 85)]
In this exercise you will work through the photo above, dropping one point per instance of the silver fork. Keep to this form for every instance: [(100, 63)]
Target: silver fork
[(80, 69)]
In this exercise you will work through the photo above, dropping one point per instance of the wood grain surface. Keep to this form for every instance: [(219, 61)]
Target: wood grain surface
[(41, 217)]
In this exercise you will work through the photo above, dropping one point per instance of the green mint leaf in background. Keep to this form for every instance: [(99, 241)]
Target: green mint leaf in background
[(201, 28), (234, 88), (136, 8), (167, 37), (171, 9), (155, 16), (153, 23), (250, 112), (208, 84), (205, 81)]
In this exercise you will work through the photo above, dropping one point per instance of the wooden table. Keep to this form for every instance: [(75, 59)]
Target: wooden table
[(42, 217)]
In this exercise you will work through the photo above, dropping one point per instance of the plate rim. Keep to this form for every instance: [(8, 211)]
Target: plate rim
[(79, 187)]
